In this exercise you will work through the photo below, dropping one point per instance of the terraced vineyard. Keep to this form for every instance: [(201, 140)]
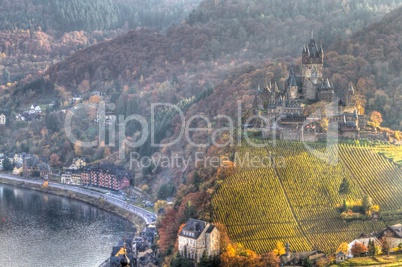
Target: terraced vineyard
[(295, 201)]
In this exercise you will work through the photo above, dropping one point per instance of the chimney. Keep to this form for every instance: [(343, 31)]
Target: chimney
[(287, 246)]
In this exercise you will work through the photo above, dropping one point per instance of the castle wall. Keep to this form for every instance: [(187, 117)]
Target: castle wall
[(290, 136), (309, 89)]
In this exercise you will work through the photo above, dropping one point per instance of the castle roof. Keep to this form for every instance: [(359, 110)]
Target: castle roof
[(351, 89), (312, 49), (325, 85), (193, 228)]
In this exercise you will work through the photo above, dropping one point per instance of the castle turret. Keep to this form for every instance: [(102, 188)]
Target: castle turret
[(312, 68), (349, 95)]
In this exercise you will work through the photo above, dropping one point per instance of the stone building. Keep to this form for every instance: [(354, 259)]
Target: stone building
[(198, 237)]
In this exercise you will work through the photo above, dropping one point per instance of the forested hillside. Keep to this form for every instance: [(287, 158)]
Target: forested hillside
[(380, 46), (142, 67), (90, 15)]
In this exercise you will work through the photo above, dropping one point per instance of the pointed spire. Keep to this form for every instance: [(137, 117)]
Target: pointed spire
[(312, 34), (291, 72), (328, 84), (351, 89)]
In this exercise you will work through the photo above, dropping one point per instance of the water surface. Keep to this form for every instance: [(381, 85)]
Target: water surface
[(39, 229)]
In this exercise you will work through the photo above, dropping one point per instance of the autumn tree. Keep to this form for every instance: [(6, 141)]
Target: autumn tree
[(321, 262), (324, 124), (358, 249), (279, 249), (270, 259), (224, 237), (367, 203), (77, 148), (168, 231), (54, 160), (375, 119), (343, 247), (386, 245), (375, 208), (159, 204)]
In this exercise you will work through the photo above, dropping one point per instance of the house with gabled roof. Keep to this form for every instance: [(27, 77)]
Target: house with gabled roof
[(3, 119), (364, 239), (393, 234), (340, 257), (198, 237), (293, 258)]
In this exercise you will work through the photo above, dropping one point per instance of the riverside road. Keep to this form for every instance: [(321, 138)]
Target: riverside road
[(143, 213)]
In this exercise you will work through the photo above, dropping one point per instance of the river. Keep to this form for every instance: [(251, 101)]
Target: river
[(39, 229)]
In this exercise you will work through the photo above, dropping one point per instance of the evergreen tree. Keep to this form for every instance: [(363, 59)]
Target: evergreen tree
[(204, 261), (7, 165), (307, 262), (344, 189)]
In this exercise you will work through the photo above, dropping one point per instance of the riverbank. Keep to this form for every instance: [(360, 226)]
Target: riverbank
[(98, 201)]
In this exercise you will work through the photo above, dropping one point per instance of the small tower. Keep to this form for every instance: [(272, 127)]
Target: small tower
[(349, 95)]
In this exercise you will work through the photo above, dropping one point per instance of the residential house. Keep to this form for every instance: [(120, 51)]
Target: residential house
[(18, 169), (80, 162), (75, 99), (3, 119), (393, 234), (27, 116), (148, 234), (340, 257), (198, 237), (293, 258), (72, 177), (33, 166), (106, 176), (364, 239)]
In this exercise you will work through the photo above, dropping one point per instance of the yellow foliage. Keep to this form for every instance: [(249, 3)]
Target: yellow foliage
[(343, 247), (280, 248), (375, 208)]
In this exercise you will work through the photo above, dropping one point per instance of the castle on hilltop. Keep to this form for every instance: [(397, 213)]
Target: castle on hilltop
[(287, 108), (310, 86)]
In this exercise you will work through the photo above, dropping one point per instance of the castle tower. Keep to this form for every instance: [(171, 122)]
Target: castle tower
[(312, 67), (349, 95), (292, 87)]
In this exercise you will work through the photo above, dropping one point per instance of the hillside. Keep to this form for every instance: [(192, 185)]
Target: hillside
[(75, 15), (295, 200), (380, 46), (36, 34)]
